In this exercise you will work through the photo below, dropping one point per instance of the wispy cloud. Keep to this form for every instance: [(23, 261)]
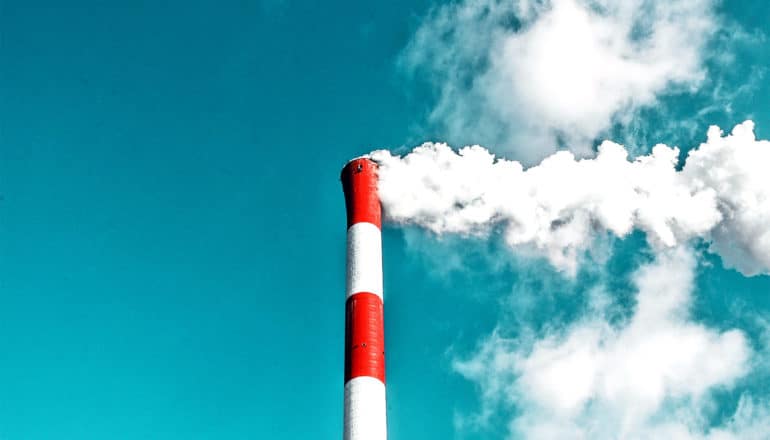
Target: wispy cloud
[(652, 376), (528, 77)]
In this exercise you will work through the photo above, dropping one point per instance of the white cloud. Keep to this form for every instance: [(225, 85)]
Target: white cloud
[(525, 76), (650, 377), (558, 207)]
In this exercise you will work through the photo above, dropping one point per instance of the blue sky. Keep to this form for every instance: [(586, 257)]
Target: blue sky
[(172, 225)]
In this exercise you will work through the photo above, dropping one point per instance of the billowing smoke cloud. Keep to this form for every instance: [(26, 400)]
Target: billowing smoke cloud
[(557, 208), (648, 378), (525, 76)]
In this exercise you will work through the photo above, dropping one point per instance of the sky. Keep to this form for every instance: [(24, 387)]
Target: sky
[(172, 227)]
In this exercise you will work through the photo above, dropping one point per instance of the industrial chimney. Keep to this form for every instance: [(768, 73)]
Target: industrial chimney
[(364, 417)]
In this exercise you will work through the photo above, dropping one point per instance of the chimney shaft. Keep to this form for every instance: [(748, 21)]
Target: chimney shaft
[(364, 417)]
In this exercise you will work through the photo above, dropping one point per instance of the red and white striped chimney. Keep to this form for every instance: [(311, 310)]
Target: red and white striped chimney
[(364, 334)]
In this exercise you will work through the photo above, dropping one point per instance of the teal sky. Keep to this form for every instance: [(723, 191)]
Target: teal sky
[(172, 231)]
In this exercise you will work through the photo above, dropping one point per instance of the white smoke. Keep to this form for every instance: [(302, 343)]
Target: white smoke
[(649, 378), (530, 77), (557, 208), (525, 76)]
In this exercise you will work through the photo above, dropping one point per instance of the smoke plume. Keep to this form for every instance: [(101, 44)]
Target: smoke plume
[(721, 195)]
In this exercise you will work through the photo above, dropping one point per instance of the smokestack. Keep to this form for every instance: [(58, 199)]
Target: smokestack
[(364, 335)]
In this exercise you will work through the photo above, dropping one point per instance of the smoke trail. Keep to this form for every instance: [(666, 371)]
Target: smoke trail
[(721, 195)]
